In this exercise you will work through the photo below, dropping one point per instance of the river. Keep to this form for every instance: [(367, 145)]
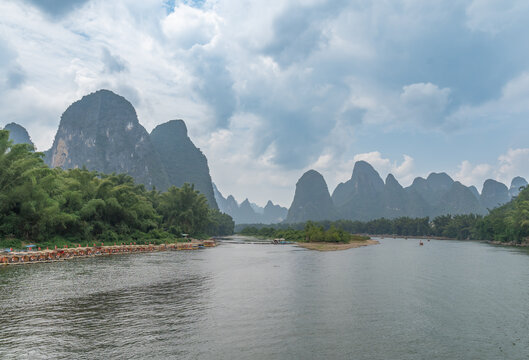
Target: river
[(396, 300)]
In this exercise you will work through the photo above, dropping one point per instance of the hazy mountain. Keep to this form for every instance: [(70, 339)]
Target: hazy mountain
[(459, 199), (433, 188), (395, 199), (311, 200), (18, 134), (258, 209), (273, 213), (494, 194), (474, 191), (182, 160), (516, 184), (101, 131), (242, 214)]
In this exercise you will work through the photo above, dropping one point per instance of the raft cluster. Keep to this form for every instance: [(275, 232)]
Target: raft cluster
[(28, 257)]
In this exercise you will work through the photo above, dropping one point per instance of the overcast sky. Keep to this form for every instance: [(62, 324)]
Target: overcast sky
[(270, 89)]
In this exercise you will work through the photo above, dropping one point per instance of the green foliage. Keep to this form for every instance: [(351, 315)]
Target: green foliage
[(508, 223), (43, 205), (312, 232)]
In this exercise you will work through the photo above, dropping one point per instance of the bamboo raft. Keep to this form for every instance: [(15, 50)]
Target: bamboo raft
[(40, 256)]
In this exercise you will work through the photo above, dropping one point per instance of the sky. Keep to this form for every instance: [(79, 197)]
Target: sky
[(270, 89)]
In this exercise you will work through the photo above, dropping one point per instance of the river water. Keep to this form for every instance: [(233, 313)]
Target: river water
[(396, 300)]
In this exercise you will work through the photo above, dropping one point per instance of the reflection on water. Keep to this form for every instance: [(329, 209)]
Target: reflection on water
[(396, 300)]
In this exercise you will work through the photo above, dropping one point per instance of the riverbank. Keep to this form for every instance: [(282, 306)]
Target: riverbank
[(40, 256), (509, 243), (328, 246)]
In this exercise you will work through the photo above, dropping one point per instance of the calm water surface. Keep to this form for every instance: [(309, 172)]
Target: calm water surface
[(396, 300)]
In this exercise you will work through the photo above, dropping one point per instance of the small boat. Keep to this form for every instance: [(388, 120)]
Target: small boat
[(420, 242)]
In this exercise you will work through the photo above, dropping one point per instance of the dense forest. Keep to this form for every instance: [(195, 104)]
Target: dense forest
[(508, 224), (42, 205)]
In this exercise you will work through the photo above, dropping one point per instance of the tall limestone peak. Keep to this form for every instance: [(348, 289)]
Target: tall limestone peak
[(366, 177), (394, 198), (494, 194), (183, 161), (18, 134), (516, 184), (391, 182), (439, 181), (433, 188), (311, 200), (102, 132), (360, 197)]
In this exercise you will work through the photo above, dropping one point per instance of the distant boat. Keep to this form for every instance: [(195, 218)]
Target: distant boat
[(281, 241), (420, 242)]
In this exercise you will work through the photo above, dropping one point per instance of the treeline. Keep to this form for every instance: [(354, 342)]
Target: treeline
[(443, 226), (508, 223), (311, 232), (39, 204)]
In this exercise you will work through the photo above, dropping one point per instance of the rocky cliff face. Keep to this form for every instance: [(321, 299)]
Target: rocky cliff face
[(433, 188), (18, 134), (101, 131), (182, 160), (360, 198), (494, 194), (516, 184), (311, 200)]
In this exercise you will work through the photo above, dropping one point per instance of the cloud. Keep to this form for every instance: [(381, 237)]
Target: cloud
[(299, 31), (510, 106), (403, 172), (425, 103), (496, 16), (188, 26), (469, 174), (112, 63), (509, 165), (57, 8)]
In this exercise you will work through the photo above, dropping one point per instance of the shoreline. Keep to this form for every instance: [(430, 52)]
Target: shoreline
[(510, 243), (62, 254), (325, 246)]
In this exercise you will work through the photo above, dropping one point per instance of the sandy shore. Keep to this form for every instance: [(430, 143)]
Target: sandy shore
[(324, 246)]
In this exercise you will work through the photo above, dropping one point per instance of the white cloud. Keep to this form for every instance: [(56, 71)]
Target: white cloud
[(403, 172), (509, 165), (425, 103), (469, 174), (187, 26), (494, 16), (513, 163), (511, 105)]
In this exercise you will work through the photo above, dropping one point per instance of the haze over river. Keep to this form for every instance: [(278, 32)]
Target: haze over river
[(396, 300)]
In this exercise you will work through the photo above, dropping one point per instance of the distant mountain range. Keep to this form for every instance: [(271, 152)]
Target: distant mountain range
[(250, 213), (366, 197)]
